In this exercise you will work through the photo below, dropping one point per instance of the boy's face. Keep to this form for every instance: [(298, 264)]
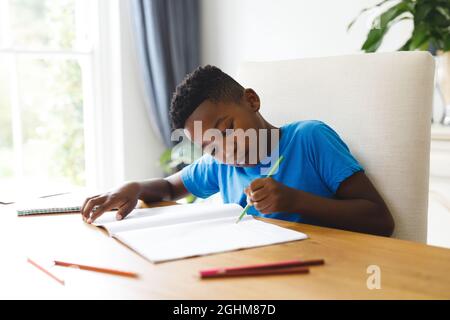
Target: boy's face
[(215, 128)]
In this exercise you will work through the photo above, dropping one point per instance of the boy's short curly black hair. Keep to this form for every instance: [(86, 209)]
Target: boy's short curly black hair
[(204, 83)]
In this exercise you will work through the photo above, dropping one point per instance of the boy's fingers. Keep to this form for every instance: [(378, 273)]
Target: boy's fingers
[(107, 206), (257, 184), (86, 201), (91, 203), (125, 210), (262, 205), (259, 195)]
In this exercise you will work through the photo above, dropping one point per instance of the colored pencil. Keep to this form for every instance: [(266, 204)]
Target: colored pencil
[(257, 272), (260, 268), (44, 270), (96, 269)]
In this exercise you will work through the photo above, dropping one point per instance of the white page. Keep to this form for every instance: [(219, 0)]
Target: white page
[(169, 215), (171, 242)]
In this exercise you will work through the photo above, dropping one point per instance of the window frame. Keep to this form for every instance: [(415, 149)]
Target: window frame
[(100, 65)]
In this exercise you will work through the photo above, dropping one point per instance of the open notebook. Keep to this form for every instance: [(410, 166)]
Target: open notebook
[(175, 232)]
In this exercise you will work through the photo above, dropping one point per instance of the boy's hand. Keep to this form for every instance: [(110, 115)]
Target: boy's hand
[(125, 199), (268, 195)]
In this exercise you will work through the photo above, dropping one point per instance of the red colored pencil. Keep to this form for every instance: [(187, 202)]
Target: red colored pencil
[(277, 267), (255, 272)]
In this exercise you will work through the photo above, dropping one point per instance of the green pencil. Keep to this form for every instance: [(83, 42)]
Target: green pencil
[(272, 170)]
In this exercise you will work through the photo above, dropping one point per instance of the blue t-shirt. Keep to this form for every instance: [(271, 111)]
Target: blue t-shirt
[(316, 160)]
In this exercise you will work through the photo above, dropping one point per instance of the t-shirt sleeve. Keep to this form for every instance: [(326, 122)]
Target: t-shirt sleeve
[(201, 177), (331, 157)]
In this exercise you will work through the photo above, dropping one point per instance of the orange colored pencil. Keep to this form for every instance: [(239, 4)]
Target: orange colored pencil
[(51, 275), (96, 269)]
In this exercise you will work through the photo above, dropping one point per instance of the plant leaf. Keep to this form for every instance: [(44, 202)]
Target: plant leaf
[(405, 46), (373, 40), (444, 11), (422, 10), (446, 46), (364, 10), (419, 37), (392, 13), (382, 24), (190, 198), (165, 157)]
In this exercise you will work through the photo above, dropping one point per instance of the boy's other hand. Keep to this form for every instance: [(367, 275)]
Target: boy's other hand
[(268, 195), (124, 199)]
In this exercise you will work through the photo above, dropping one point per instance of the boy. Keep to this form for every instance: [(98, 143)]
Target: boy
[(319, 181)]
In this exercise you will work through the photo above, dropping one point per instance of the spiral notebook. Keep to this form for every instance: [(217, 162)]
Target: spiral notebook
[(65, 203)]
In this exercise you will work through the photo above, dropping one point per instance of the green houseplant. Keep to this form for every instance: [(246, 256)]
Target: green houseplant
[(431, 20), (431, 31)]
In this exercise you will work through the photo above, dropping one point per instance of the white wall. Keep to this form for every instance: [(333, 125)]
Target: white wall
[(239, 30)]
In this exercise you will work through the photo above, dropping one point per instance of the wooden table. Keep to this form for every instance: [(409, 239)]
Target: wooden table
[(408, 270)]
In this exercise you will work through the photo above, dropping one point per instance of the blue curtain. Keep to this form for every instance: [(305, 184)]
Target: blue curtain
[(167, 37)]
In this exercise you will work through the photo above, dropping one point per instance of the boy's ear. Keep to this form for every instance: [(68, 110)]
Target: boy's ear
[(252, 99)]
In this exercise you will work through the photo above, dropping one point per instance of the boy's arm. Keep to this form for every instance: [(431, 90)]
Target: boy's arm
[(126, 197), (358, 207), (167, 189)]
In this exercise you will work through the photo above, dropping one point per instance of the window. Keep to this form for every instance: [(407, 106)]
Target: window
[(46, 58)]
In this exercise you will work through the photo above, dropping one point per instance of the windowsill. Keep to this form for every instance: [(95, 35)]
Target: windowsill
[(440, 132)]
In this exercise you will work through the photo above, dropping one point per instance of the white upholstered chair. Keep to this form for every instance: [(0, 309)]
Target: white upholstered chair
[(380, 104)]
